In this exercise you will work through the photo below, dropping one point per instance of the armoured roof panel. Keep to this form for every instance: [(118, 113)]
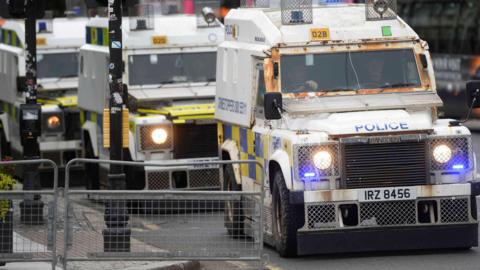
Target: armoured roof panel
[(344, 23)]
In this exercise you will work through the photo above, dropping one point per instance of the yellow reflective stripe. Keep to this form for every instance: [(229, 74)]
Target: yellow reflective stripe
[(244, 167), (68, 101), (258, 169), (152, 111), (194, 117), (82, 117), (191, 109), (179, 121), (250, 142)]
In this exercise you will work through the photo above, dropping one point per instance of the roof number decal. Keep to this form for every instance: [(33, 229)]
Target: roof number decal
[(159, 40), (319, 34)]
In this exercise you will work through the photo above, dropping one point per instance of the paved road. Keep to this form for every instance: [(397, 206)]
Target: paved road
[(435, 260)]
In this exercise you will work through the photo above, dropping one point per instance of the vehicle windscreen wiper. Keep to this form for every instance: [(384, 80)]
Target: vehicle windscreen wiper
[(210, 81)]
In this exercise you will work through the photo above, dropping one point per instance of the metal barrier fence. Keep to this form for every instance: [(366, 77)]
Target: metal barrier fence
[(28, 231), (165, 225)]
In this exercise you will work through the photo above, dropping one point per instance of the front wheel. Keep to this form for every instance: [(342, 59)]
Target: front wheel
[(287, 218), (234, 216)]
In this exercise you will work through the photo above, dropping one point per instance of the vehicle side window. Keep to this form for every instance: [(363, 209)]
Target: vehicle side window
[(260, 82)]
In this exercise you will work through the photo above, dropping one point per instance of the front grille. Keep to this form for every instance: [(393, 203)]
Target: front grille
[(195, 141), (321, 216), (158, 180), (388, 213), (454, 210), (204, 178), (328, 215), (384, 164)]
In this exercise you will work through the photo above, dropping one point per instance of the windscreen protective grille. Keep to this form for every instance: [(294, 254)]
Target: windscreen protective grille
[(381, 10), (385, 162), (195, 141)]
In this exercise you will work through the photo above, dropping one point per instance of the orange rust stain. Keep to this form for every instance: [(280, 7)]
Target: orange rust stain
[(2, 22)]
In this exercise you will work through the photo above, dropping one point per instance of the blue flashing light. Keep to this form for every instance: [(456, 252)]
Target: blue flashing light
[(309, 174), (42, 26), (458, 167)]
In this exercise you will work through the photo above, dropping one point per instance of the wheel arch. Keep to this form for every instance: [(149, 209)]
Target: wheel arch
[(230, 152), (280, 161)]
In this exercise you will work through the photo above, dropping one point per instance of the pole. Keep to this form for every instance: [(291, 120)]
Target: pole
[(116, 236), (31, 208)]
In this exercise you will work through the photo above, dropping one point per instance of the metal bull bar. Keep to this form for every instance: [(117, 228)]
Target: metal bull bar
[(166, 225), (26, 236)]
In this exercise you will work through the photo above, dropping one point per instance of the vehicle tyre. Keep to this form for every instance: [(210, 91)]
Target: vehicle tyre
[(92, 173), (287, 218), (234, 216)]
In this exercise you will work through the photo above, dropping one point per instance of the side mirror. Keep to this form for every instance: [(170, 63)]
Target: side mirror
[(424, 61), (273, 105), (473, 94)]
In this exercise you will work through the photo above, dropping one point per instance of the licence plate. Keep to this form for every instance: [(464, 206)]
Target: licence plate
[(387, 194)]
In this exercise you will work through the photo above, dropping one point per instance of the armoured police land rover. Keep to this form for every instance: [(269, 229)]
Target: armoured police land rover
[(170, 63), (338, 103), (58, 42)]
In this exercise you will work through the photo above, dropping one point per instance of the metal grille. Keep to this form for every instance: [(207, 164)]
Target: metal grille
[(208, 178), (169, 225), (321, 216), (381, 10), (141, 17), (297, 11), (158, 180), (146, 141), (25, 230), (454, 210), (384, 164), (388, 213), (461, 151), (195, 141), (305, 170), (255, 3)]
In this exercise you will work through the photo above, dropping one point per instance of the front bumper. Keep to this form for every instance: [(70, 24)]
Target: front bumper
[(442, 216), (196, 177), (61, 152), (388, 239)]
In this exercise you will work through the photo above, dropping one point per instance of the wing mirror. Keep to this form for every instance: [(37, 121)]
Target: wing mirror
[(273, 105), (473, 94)]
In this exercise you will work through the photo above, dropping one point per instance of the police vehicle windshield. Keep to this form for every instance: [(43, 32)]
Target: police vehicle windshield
[(57, 65), (349, 71), (160, 69)]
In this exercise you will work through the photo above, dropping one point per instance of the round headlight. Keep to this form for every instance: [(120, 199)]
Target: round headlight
[(442, 153), (322, 160), (159, 136), (53, 122)]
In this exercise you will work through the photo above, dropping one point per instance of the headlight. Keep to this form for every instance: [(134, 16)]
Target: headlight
[(442, 153), (322, 160), (159, 136), (53, 122)]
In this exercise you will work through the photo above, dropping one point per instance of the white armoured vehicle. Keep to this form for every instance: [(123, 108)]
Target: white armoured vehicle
[(58, 43), (339, 105), (170, 74)]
